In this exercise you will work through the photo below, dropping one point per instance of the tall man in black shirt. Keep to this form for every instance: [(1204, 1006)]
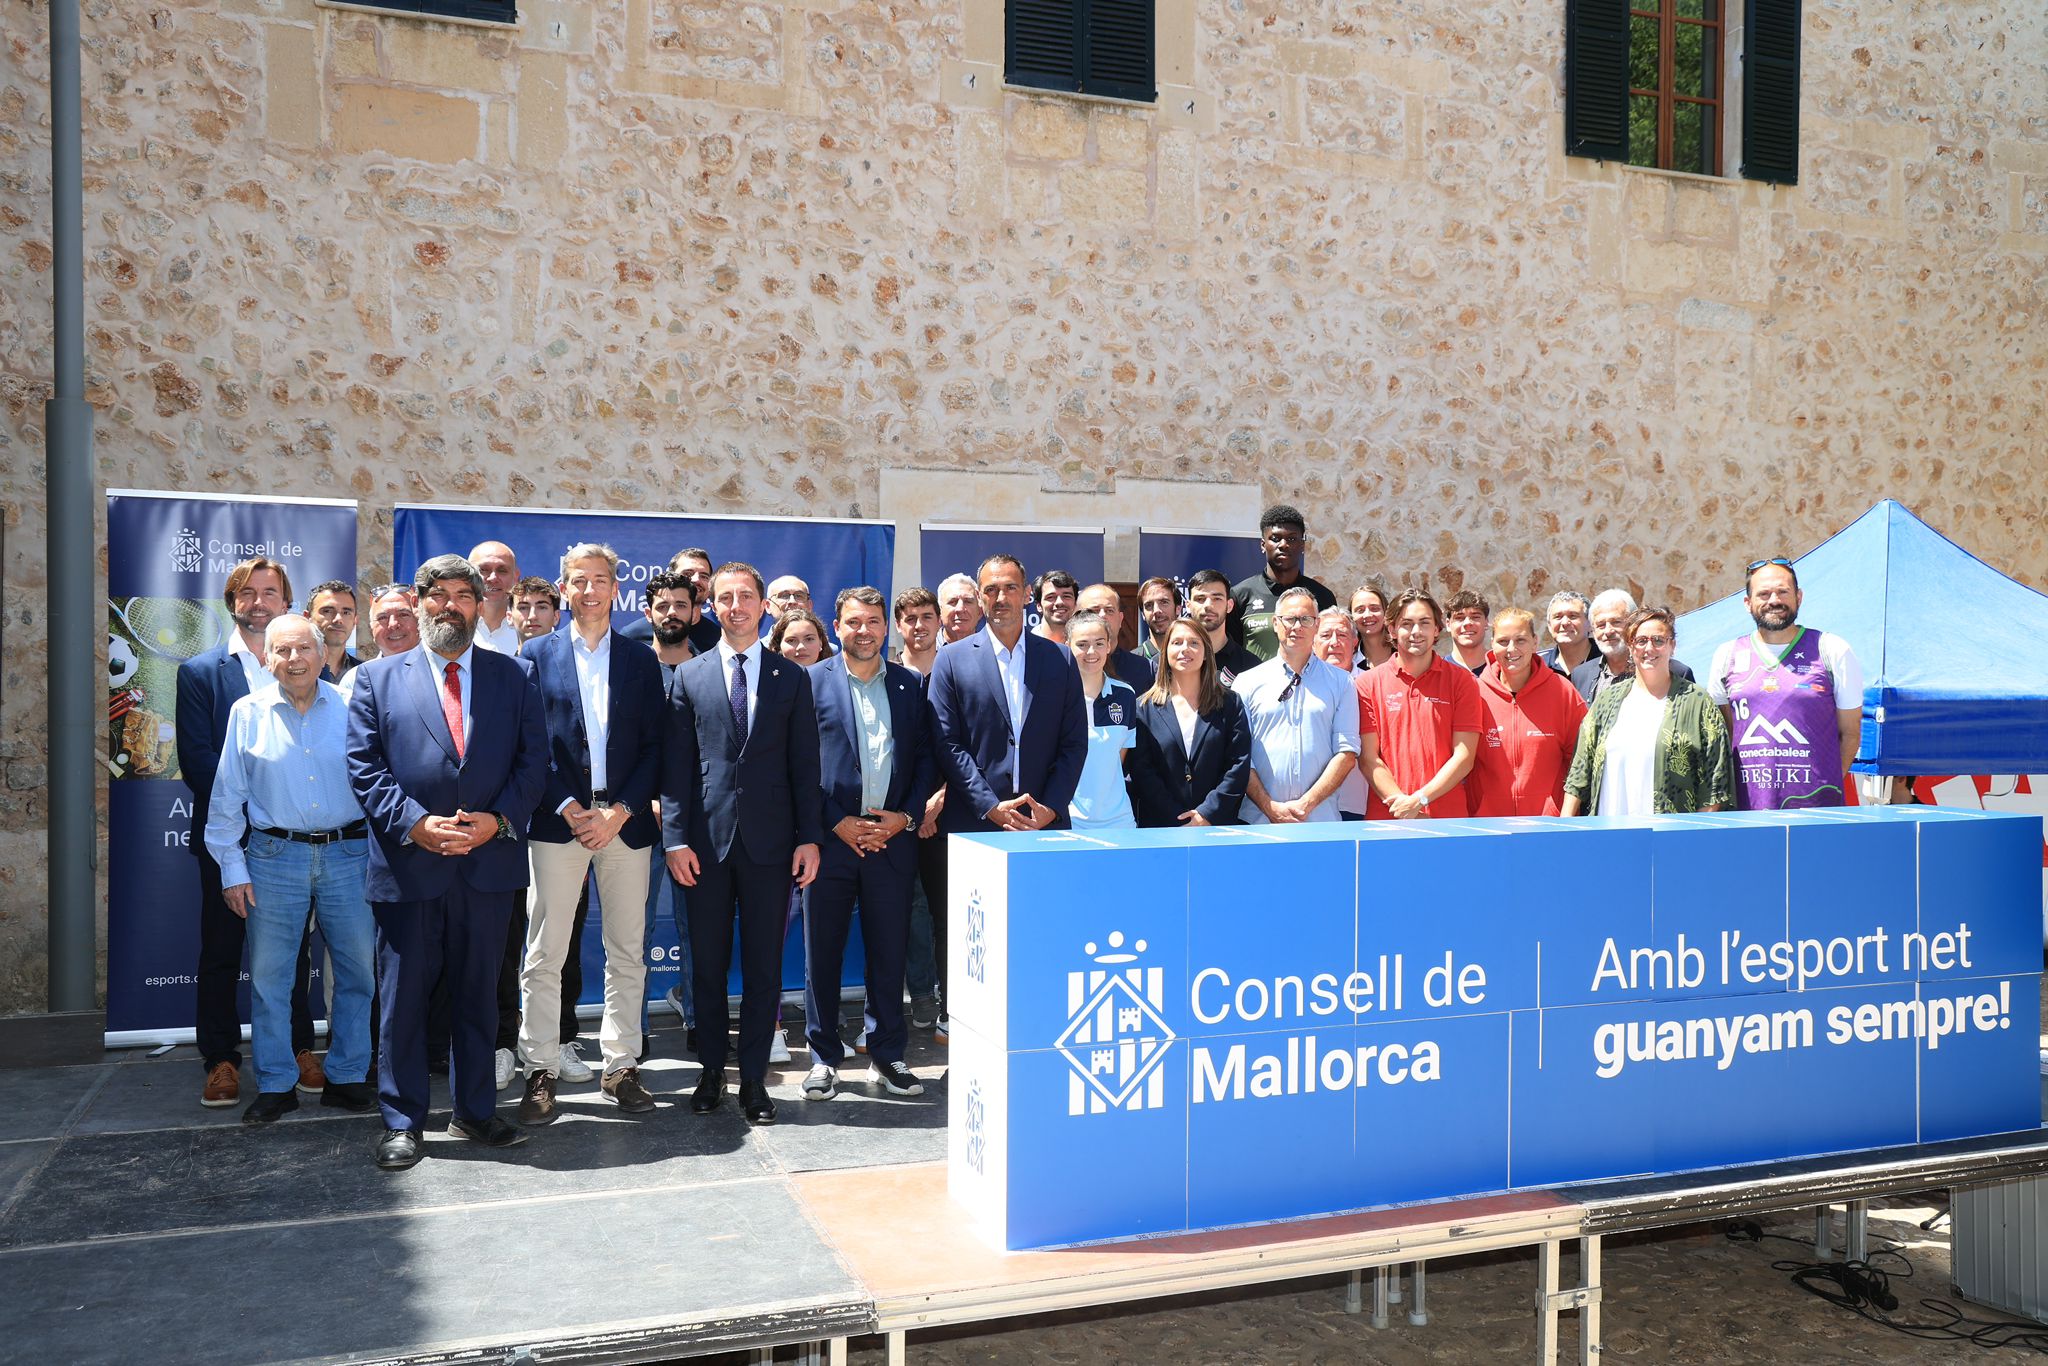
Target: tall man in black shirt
[(1282, 536)]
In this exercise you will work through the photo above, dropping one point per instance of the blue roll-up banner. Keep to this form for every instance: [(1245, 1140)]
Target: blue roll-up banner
[(1164, 552), (1135, 1052), (949, 549), (827, 553), (168, 558)]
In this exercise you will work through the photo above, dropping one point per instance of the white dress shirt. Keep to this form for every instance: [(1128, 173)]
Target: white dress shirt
[(251, 661), (503, 638), (594, 685), (1010, 668)]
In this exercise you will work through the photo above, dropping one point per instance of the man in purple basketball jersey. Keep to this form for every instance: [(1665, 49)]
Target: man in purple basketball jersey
[(1793, 699)]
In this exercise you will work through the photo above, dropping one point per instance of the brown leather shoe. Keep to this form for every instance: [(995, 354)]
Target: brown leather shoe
[(537, 1106), (312, 1076), (624, 1087), (223, 1087)]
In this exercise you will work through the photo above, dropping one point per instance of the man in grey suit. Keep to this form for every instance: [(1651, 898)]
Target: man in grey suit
[(741, 819)]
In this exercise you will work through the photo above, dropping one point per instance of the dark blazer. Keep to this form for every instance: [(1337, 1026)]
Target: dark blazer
[(703, 636), (402, 766), (1133, 668), (632, 739), (972, 723), (714, 794), (208, 685), (1167, 780), (1586, 678), (912, 776)]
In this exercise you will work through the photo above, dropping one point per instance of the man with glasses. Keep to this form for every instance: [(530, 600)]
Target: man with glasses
[(1792, 698), (1611, 611), (1282, 536), (1304, 720), (1418, 721)]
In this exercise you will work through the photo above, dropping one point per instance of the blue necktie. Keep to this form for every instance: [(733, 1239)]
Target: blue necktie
[(739, 703)]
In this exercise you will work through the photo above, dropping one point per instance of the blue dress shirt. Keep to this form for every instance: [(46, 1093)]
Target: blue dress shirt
[(281, 771)]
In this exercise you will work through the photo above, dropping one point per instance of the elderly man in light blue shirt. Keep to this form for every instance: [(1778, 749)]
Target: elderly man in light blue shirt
[(288, 834), (1304, 719)]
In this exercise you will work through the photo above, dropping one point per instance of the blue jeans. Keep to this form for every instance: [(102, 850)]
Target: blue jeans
[(293, 882), (660, 887)]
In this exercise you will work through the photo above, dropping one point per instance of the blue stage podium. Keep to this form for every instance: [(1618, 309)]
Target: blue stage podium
[(1164, 1030)]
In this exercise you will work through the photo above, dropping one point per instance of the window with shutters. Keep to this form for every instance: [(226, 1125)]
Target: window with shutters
[(1083, 47), (1674, 85), (1645, 83), (486, 11)]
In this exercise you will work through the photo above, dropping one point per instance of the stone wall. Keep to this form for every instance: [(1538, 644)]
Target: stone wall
[(755, 256)]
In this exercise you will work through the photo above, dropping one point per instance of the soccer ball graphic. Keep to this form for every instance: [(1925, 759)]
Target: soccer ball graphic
[(121, 662)]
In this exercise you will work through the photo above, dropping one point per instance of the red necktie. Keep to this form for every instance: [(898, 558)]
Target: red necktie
[(451, 705)]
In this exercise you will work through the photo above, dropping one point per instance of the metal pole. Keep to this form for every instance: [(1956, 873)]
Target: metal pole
[(69, 615)]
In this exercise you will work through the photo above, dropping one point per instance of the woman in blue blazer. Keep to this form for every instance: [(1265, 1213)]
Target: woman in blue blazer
[(1194, 751)]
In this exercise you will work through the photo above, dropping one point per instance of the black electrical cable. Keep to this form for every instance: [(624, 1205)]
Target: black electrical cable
[(1865, 1289)]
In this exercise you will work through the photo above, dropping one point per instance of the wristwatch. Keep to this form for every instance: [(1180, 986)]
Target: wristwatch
[(504, 826)]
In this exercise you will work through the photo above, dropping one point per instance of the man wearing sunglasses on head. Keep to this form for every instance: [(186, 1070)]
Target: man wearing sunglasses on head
[(1792, 697)]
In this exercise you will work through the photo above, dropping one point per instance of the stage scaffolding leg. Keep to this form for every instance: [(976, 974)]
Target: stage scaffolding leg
[(1380, 1276), (1551, 1301), (1546, 1302), (1823, 1233), (835, 1352), (895, 1345), (1418, 1314), (1589, 1312), (1354, 1293), (1857, 1243)]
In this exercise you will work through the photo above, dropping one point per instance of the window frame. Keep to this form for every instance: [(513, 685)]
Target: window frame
[(1714, 51), (1021, 73), (495, 13)]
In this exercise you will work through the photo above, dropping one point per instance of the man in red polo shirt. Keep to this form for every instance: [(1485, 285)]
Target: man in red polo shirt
[(1419, 718), (1532, 728)]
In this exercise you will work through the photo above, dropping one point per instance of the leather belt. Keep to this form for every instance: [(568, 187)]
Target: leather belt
[(359, 830)]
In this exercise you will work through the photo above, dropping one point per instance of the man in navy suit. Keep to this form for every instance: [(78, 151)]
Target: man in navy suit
[(602, 697), (876, 760), (209, 684), (1011, 726), (740, 819), (447, 752)]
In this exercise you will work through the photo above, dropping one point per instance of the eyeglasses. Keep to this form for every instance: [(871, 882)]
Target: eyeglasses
[(1293, 682), (1295, 623), (1755, 565), (1653, 642)]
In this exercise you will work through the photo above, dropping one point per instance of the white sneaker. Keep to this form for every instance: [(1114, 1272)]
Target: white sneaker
[(822, 1083), (507, 1068), (860, 1045), (571, 1067), (778, 1046)]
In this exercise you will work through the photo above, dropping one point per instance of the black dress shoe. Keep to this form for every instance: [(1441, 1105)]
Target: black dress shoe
[(492, 1133), (624, 1087), (353, 1096), (710, 1091), (754, 1100), (398, 1149), (537, 1106), (270, 1106)]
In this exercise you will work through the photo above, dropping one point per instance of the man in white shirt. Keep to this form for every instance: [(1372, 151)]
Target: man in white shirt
[(495, 630)]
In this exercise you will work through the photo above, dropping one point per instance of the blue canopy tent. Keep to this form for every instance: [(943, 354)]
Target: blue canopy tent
[(1954, 660)]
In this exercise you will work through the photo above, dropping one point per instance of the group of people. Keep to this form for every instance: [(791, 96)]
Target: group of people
[(442, 810)]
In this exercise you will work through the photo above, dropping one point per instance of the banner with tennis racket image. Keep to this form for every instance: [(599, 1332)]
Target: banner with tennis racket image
[(168, 559)]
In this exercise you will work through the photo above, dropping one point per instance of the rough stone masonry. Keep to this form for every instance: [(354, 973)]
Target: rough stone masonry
[(750, 256)]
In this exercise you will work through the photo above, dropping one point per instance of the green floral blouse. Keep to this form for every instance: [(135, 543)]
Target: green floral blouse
[(1694, 769)]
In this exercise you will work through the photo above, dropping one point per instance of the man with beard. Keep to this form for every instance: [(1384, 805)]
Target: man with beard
[(1159, 606), (875, 763), (1056, 595), (1419, 718), (1602, 670), (672, 616), (332, 610), (447, 753), (1793, 699), (1283, 536), (1210, 606), (209, 685)]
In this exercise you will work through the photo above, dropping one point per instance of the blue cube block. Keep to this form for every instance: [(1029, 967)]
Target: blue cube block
[(1981, 874), (1975, 1080), (1270, 1125)]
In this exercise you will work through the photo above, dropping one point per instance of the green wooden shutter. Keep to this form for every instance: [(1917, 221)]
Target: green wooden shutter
[(1770, 92), (1596, 79), (1118, 58), (1042, 42)]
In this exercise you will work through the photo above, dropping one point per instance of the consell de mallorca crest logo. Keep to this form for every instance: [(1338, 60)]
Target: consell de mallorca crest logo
[(1116, 1038), (185, 556)]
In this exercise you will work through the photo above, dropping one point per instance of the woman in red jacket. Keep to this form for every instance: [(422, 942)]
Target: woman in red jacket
[(1532, 726)]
